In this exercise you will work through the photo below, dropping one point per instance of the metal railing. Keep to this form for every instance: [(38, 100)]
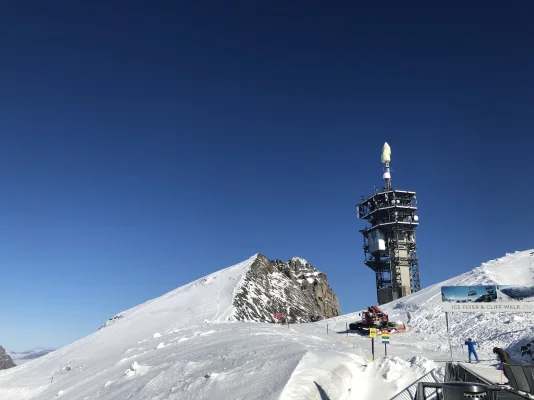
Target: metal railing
[(429, 385), (520, 377), (458, 373), (409, 392)]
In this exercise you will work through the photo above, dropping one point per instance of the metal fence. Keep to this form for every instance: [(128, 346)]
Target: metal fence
[(457, 373), (409, 392), (517, 380), (521, 377)]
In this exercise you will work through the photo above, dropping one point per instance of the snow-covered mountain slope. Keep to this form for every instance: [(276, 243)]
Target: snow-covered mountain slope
[(250, 291), (207, 299), (426, 320), (186, 345)]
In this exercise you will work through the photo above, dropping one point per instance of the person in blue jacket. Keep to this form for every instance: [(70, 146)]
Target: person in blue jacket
[(471, 348)]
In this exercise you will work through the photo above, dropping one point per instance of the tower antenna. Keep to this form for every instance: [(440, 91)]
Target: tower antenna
[(386, 159)]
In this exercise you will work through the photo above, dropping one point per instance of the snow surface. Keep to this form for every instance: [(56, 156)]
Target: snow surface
[(426, 320), (186, 345)]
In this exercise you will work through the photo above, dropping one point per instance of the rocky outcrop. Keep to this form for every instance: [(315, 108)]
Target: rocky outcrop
[(111, 320), (294, 288), (5, 360)]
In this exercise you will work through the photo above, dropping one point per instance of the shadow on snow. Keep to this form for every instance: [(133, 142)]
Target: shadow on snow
[(323, 394)]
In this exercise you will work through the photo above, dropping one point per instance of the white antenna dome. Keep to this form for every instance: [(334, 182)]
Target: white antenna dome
[(386, 153)]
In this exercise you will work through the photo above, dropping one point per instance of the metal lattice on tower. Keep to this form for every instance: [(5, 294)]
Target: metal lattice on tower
[(389, 238)]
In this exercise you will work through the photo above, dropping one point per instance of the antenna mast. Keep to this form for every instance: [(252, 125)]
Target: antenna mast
[(386, 158)]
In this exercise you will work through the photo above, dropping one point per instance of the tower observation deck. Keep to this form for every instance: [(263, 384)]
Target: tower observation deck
[(389, 237)]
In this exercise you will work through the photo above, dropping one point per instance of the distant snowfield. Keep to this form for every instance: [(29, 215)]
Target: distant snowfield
[(21, 357), (186, 345)]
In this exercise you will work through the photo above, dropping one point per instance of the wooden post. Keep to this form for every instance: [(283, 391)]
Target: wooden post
[(373, 347), (386, 349)]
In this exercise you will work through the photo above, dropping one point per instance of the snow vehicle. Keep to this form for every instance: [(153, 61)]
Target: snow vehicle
[(394, 327), (374, 317)]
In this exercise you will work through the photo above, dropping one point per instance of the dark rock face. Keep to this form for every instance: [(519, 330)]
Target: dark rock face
[(5, 360), (294, 288), (518, 292)]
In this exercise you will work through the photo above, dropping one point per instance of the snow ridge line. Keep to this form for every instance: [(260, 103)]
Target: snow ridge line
[(250, 261)]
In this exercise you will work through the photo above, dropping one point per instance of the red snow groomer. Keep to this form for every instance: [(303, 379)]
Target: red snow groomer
[(374, 317)]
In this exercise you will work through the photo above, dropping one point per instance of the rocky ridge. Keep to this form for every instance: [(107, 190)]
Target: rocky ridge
[(294, 288), (5, 359)]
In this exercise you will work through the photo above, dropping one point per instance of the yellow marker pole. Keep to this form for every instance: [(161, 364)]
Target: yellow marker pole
[(372, 335)]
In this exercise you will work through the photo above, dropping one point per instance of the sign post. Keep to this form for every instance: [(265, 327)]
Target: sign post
[(372, 335), (385, 340), (448, 332)]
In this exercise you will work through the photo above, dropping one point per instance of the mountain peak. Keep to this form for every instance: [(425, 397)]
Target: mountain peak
[(300, 260), (5, 359), (294, 288)]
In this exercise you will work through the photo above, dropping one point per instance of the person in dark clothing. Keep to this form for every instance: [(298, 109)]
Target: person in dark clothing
[(471, 348), (503, 355)]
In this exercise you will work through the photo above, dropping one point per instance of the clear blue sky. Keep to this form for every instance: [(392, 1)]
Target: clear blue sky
[(147, 144)]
